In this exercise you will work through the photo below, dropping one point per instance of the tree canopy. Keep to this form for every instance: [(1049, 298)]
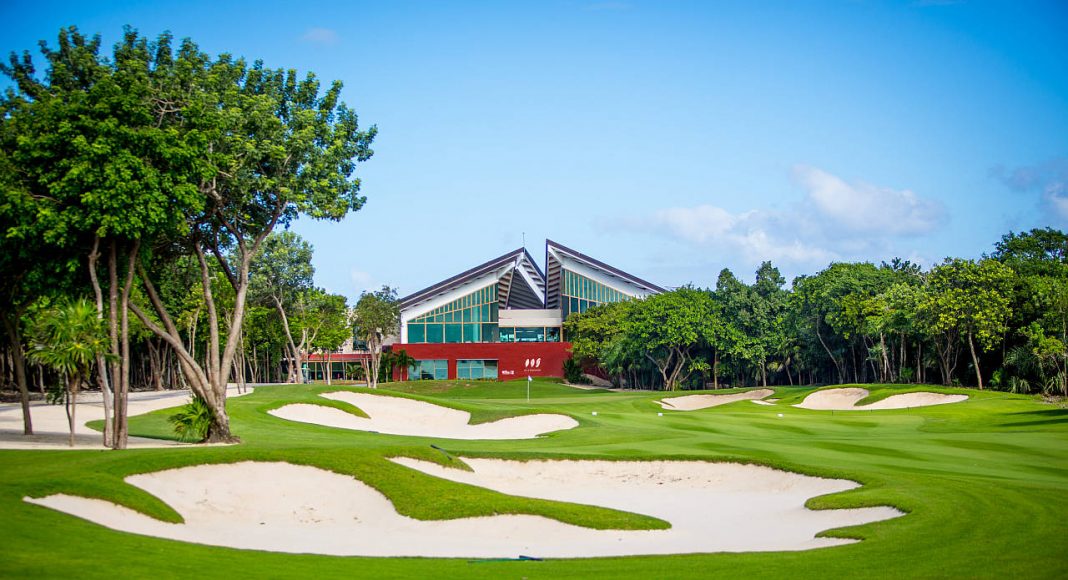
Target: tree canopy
[(157, 152)]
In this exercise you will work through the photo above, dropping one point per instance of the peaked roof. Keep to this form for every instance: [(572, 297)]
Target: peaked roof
[(600, 266), (554, 276), (519, 257)]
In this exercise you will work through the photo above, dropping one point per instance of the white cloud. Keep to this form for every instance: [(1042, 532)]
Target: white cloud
[(867, 208), (698, 224), (755, 235), (1050, 178), (320, 36), (1056, 198), (835, 220)]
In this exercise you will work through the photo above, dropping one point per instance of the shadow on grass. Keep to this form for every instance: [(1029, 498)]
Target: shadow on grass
[(1041, 417)]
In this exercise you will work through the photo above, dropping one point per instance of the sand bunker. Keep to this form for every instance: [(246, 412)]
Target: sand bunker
[(289, 508), (51, 430), (846, 400), (694, 402), (399, 416)]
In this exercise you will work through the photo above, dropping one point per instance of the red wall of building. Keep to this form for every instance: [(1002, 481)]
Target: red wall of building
[(514, 359)]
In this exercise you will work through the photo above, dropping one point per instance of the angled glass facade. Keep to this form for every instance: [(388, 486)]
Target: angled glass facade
[(578, 293), (471, 318), (516, 303)]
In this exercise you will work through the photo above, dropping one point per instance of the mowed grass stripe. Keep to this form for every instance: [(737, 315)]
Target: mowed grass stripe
[(983, 482)]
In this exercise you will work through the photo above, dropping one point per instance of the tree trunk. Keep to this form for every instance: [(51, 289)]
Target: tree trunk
[(113, 334), (155, 364), (676, 378), (946, 359), (122, 387), (101, 365), (295, 372), (254, 370), (329, 368), (11, 325), (853, 352), (715, 369), (838, 367), (70, 403), (919, 361), (975, 361), (886, 359), (901, 357)]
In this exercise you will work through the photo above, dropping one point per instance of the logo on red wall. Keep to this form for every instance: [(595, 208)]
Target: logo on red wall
[(532, 363)]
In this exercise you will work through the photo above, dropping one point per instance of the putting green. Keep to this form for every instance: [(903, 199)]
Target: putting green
[(983, 483)]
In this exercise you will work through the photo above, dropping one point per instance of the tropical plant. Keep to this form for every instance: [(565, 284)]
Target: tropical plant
[(192, 421), (68, 337), (573, 372)]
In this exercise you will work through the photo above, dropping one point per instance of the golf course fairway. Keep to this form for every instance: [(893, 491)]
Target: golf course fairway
[(981, 483)]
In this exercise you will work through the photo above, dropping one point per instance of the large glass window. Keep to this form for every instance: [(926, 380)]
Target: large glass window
[(429, 370), (507, 334), (476, 369), (530, 334), (446, 323), (581, 293)]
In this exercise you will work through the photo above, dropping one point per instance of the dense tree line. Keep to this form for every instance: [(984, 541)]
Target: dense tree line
[(150, 181), (1000, 321)]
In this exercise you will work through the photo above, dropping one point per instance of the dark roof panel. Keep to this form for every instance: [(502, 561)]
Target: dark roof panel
[(465, 276), (599, 264)]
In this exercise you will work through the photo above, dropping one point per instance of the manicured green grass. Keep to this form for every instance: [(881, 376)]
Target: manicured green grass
[(984, 483)]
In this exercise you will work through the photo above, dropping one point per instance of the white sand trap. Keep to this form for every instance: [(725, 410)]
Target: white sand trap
[(51, 430), (399, 416), (695, 402), (288, 508), (846, 400)]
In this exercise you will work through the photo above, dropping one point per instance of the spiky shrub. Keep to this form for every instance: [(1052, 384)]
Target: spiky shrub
[(573, 372), (192, 421)]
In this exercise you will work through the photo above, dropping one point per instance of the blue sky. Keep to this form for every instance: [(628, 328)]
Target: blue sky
[(670, 139)]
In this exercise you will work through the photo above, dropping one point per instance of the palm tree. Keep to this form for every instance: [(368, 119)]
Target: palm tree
[(68, 337), (401, 360)]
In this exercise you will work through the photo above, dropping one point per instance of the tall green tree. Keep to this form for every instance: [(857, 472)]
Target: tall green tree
[(274, 146), (104, 172), (970, 299), (1040, 288), (669, 327), (332, 327), (280, 275), (157, 150), (769, 300), (375, 317), (739, 305)]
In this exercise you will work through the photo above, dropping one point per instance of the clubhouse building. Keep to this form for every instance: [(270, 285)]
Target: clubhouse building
[(503, 319)]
